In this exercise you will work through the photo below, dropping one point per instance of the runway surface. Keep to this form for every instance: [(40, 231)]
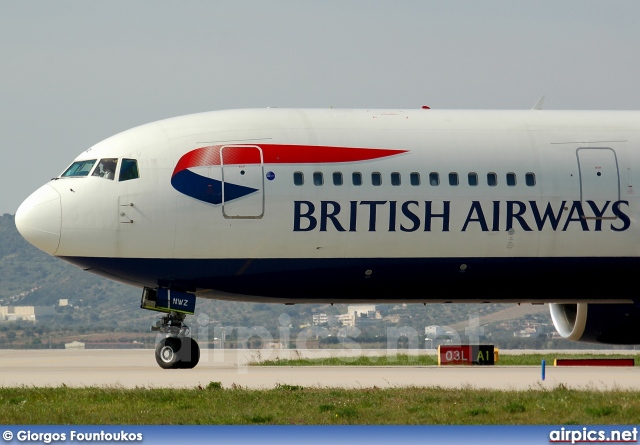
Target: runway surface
[(137, 368)]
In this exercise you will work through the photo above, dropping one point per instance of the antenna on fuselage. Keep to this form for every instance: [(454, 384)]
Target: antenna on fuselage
[(538, 105)]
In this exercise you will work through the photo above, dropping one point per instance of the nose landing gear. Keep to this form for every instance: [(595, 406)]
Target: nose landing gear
[(176, 350)]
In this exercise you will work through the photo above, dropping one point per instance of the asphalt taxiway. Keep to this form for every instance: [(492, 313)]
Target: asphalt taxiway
[(137, 368)]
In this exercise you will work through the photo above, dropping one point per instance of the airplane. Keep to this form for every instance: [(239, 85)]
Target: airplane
[(359, 205)]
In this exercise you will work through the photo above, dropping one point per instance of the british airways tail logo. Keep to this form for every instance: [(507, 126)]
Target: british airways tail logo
[(212, 191)]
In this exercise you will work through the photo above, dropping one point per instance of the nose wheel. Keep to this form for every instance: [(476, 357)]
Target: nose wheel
[(177, 353), (167, 352)]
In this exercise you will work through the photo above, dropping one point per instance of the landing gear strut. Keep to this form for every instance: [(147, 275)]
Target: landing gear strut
[(176, 350)]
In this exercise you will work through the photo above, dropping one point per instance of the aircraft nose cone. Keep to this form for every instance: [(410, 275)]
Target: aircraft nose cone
[(39, 218)]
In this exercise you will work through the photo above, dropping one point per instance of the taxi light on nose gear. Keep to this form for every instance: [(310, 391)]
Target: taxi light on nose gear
[(166, 300)]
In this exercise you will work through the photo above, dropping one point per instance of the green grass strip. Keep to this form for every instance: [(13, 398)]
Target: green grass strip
[(431, 360), (286, 404)]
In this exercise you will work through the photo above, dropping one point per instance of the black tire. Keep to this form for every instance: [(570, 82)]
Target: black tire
[(189, 353), (168, 353)]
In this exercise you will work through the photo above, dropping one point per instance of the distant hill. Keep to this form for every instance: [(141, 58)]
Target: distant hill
[(510, 312)]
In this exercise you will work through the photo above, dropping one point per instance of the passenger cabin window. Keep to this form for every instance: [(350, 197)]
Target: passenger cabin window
[(128, 170), (317, 178), (376, 179), (434, 178), (337, 178), (530, 179), (511, 179), (453, 179), (473, 179), (492, 179), (79, 169), (395, 178), (298, 178), (106, 168), (356, 178), (414, 178)]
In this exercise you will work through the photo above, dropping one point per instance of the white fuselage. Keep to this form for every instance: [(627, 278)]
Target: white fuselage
[(515, 189)]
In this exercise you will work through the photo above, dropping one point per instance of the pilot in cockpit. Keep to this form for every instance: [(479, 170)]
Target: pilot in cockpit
[(106, 168)]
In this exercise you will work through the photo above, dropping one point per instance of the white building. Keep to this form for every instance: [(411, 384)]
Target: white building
[(348, 319), (433, 332), (28, 313), (361, 309), (360, 314)]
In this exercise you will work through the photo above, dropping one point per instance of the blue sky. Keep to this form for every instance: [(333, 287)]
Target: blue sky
[(75, 72)]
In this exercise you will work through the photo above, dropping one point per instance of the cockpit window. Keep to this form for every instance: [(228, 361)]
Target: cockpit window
[(129, 170), (106, 168), (79, 169)]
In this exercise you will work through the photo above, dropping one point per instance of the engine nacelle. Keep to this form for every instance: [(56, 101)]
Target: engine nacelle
[(616, 324)]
